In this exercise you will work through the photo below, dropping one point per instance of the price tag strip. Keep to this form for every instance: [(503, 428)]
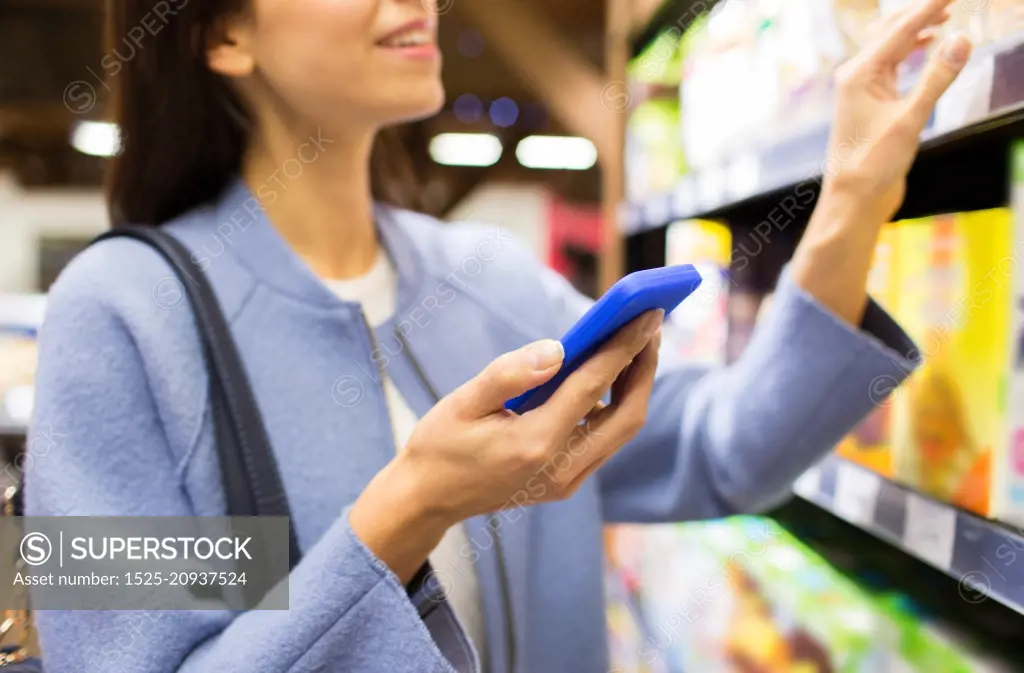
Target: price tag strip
[(856, 494), (984, 555), (929, 531), (809, 484)]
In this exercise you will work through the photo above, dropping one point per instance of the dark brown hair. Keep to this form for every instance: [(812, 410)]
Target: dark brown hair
[(183, 128)]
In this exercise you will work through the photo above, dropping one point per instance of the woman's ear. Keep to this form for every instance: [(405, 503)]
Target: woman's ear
[(228, 48)]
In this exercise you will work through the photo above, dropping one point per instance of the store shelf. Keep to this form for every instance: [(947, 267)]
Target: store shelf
[(980, 554), (987, 101)]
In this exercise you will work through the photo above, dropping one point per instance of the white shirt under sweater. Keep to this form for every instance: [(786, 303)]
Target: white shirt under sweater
[(377, 292)]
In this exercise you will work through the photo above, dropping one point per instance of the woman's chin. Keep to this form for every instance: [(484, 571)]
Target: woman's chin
[(422, 112), (418, 103)]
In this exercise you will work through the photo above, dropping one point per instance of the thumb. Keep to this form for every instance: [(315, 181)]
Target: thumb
[(508, 376), (942, 69)]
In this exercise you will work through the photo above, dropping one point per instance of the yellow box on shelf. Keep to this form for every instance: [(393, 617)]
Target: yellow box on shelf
[(954, 297), (955, 429)]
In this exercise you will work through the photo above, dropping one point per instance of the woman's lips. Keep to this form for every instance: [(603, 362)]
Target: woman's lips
[(416, 39), (418, 52)]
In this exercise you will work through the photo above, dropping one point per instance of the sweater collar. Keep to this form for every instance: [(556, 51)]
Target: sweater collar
[(268, 257)]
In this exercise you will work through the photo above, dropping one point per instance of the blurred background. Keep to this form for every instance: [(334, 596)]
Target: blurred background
[(618, 135)]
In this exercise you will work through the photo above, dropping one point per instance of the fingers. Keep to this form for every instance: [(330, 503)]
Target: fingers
[(585, 387), (942, 69), (926, 38), (510, 375), (608, 428), (901, 38), (619, 422), (575, 484), (638, 379), (566, 460)]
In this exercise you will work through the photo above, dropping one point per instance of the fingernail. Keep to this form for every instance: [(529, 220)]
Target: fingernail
[(957, 50), (544, 355)]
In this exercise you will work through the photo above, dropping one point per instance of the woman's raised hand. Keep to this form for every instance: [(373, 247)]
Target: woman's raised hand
[(876, 131), (875, 136)]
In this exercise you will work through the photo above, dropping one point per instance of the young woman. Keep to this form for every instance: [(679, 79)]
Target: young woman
[(381, 345)]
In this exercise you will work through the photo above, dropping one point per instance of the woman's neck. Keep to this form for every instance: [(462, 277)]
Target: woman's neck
[(314, 187)]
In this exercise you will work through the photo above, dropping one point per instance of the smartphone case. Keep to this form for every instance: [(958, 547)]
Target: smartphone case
[(664, 288)]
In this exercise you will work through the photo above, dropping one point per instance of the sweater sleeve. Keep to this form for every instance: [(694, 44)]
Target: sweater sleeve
[(106, 453)]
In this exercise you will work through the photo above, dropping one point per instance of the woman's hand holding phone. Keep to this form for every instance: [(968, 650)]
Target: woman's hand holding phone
[(470, 456)]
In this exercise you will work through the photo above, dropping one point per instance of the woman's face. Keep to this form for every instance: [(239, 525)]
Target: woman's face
[(343, 62)]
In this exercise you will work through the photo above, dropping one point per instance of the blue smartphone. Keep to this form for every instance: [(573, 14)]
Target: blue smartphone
[(628, 299)]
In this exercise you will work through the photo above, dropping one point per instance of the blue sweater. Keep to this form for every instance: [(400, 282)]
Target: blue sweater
[(121, 380)]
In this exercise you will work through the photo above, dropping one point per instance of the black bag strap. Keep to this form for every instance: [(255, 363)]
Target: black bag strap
[(252, 482)]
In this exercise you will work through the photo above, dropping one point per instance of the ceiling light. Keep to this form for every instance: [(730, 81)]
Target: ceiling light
[(557, 153), (465, 149), (99, 139)]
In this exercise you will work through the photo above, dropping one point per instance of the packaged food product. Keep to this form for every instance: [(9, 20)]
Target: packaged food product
[(719, 84), (954, 298), (753, 599), (1004, 18), (654, 156), (699, 326), (661, 63), (955, 429), (812, 46)]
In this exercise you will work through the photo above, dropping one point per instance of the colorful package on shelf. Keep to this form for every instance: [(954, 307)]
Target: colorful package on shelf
[(626, 550), (1010, 463), (869, 444), (654, 156), (700, 324), (721, 94), (955, 274), (955, 430), (672, 607), (626, 636), (813, 44), (661, 63), (762, 71), (743, 596), (986, 21), (20, 318)]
